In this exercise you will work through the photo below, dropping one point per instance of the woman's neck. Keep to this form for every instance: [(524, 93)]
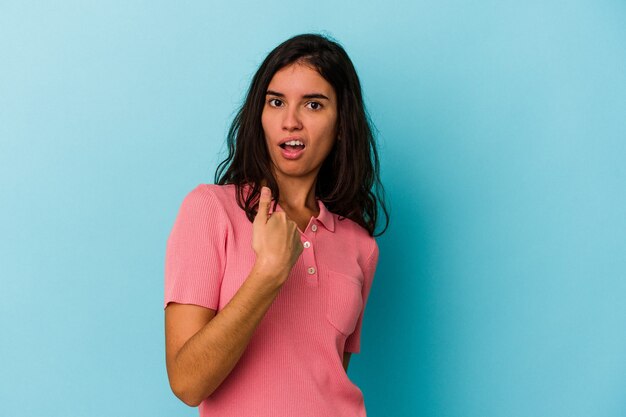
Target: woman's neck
[(297, 194)]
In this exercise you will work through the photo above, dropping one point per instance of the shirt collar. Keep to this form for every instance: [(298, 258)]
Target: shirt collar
[(325, 217)]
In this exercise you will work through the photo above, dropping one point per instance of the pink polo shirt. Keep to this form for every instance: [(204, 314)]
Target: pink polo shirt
[(293, 363)]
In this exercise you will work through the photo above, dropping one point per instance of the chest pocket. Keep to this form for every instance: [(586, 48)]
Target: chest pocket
[(344, 301)]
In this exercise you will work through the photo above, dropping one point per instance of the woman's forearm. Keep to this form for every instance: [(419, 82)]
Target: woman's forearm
[(207, 358)]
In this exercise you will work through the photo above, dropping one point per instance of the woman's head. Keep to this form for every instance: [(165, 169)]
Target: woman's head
[(299, 122), (349, 168)]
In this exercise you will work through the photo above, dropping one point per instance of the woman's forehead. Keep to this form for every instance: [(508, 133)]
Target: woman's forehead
[(300, 80)]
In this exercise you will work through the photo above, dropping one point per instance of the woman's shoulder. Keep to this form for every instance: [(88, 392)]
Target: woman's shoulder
[(216, 190), (356, 234), (211, 195)]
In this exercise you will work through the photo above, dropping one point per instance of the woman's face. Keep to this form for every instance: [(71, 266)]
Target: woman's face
[(300, 105)]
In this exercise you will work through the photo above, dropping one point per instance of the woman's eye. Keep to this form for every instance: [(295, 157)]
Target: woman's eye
[(315, 105), (274, 102)]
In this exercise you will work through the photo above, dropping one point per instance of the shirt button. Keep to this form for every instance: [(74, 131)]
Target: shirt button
[(314, 227), (306, 244), (311, 270)]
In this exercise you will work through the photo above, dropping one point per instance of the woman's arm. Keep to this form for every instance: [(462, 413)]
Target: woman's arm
[(203, 347)]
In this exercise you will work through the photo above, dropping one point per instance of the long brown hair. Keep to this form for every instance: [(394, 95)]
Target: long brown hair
[(348, 181)]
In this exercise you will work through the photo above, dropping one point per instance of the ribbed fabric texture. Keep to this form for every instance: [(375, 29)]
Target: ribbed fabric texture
[(293, 363)]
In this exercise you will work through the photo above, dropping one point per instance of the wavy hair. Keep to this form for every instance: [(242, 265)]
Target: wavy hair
[(348, 182)]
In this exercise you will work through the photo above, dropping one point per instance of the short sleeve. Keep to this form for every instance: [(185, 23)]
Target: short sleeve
[(195, 254), (353, 342)]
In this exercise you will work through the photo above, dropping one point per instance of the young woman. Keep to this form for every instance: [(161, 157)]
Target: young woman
[(268, 271)]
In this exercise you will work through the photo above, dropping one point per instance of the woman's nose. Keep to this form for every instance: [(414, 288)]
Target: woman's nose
[(291, 120)]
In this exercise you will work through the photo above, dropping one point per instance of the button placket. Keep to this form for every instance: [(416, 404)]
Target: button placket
[(308, 242)]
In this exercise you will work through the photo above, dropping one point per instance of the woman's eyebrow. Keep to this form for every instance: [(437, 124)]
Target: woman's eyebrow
[(312, 95)]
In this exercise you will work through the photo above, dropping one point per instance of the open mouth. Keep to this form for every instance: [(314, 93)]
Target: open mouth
[(293, 145)]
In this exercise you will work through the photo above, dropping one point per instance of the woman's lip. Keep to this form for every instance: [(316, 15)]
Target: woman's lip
[(291, 154)]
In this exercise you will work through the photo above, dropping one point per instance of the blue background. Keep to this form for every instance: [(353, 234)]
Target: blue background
[(502, 127)]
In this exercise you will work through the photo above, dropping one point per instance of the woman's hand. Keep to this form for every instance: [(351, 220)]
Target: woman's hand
[(275, 239)]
